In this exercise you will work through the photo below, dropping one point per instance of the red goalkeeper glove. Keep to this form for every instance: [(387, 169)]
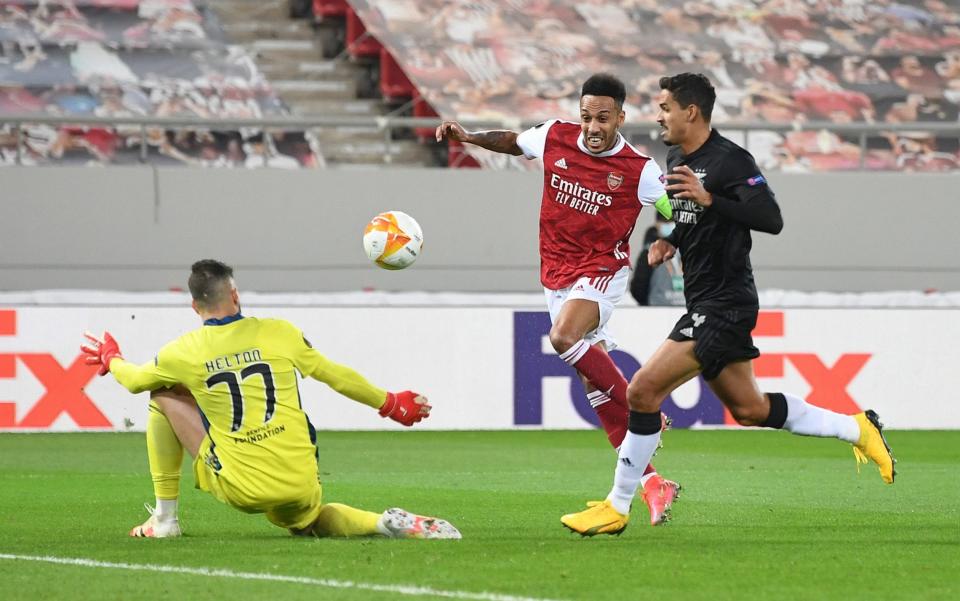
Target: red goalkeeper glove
[(405, 407), (100, 352)]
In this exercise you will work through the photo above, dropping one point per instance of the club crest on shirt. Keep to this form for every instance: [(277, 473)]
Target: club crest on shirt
[(614, 180)]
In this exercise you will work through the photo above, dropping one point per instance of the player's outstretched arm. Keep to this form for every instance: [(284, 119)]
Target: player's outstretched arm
[(105, 353), (497, 140), (100, 351), (405, 407)]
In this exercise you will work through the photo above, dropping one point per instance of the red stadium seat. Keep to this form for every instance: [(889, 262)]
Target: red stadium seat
[(458, 157), (329, 8), (394, 83), (360, 44), (422, 108)]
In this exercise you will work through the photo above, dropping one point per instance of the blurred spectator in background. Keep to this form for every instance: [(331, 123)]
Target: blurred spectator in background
[(867, 76), (661, 285), (834, 104), (912, 76), (949, 70)]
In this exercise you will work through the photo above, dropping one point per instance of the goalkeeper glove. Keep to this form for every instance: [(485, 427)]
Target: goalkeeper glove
[(100, 352), (405, 407)]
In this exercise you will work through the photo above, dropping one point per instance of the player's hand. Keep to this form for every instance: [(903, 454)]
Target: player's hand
[(100, 351), (405, 407), (660, 251), (685, 184), (451, 130)]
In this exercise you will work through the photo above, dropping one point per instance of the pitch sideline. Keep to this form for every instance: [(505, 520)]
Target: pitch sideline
[(224, 573)]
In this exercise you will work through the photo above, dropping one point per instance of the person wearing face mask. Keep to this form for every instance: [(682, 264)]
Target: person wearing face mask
[(661, 285)]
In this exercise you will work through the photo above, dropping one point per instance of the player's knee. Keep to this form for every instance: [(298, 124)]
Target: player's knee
[(641, 396), (752, 415), (562, 339)]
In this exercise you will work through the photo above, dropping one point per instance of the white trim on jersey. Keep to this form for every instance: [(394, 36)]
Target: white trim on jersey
[(534, 140), (617, 147), (650, 186)]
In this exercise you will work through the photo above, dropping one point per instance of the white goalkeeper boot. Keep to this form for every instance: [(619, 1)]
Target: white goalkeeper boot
[(154, 527), (399, 523)]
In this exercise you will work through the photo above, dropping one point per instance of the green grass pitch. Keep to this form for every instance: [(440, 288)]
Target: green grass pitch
[(763, 515)]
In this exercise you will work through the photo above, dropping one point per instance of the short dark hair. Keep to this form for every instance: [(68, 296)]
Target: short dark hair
[(691, 88), (209, 282), (605, 84)]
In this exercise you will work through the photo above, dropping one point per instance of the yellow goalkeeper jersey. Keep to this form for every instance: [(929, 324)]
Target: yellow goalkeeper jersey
[(243, 373)]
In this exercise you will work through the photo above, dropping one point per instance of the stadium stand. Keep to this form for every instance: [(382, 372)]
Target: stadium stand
[(330, 67), (820, 71), (839, 62), (134, 58)]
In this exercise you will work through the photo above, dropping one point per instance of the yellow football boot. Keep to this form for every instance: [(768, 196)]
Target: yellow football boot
[(599, 518), (873, 446)]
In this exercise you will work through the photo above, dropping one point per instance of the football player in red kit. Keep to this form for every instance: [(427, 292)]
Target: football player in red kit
[(594, 186)]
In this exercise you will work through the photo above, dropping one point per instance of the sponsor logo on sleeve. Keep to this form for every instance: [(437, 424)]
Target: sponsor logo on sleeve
[(756, 180)]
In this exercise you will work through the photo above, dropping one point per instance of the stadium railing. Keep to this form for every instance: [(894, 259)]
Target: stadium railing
[(389, 124)]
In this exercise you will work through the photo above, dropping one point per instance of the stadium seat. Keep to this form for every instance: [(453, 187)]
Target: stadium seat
[(360, 43), (422, 108), (323, 9), (299, 9), (394, 83), (458, 157)]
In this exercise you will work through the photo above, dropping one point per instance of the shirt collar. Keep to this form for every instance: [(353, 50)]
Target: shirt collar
[(617, 146), (222, 321), (714, 134)]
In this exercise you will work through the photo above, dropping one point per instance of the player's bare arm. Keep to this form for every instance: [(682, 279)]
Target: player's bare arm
[(660, 251), (685, 184), (497, 140)]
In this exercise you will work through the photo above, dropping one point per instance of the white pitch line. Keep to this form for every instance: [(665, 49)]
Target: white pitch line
[(399, 589)]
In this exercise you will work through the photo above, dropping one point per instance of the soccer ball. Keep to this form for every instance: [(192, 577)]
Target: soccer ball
[(392, 240)]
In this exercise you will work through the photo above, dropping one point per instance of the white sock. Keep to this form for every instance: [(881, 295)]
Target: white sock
[(166, 510), (645, 477), (635, 453), (809, 420)]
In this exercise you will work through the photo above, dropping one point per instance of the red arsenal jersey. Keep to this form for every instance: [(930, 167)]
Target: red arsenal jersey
[(590, 201)]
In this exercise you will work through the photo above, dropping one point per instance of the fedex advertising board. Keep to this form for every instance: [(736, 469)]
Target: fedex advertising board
[(492, 368)]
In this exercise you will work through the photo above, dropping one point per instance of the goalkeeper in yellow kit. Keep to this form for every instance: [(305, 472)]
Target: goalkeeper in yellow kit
[(253, 445)]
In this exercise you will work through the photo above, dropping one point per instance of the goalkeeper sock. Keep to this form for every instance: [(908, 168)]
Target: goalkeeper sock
[(336, 519), (165, 455), (166, 510)]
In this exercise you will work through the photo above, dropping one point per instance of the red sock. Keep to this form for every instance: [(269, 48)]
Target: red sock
[(599, 368), (612, 416)]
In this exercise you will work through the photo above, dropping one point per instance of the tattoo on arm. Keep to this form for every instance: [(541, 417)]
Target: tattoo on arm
[(497, 140)]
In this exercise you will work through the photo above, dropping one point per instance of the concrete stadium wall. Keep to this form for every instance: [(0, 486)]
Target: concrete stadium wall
[(138, 228)]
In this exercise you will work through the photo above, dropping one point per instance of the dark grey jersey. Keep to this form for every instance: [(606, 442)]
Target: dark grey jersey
[(715, 242)]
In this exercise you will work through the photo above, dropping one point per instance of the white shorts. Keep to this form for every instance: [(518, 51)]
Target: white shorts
[(605, 290)]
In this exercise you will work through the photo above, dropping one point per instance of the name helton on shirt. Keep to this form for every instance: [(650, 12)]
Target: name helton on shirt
[(233, 360)]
